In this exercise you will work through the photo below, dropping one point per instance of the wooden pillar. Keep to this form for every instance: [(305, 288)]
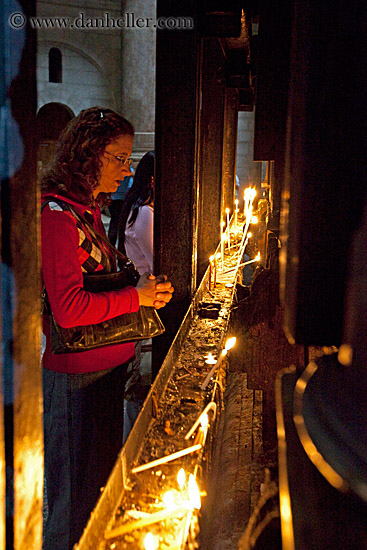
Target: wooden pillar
[(324, 183), (175, 225), (272, 93), (211, 151), (22, 443), (229, 148)]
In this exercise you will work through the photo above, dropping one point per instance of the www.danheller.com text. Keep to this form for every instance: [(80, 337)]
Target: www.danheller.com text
[(128, 20)]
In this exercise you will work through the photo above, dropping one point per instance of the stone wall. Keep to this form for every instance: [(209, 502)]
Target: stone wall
[(248, 171), (91, 58)]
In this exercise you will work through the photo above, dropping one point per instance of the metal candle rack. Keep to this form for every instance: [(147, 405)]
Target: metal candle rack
[(120, 479)]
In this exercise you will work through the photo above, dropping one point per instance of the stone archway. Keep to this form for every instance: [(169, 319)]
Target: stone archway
[(52, 118)]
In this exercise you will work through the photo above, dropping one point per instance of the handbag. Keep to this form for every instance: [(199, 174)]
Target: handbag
[(128, 327)]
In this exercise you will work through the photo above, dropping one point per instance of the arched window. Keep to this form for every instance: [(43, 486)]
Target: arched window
[(54, 65)]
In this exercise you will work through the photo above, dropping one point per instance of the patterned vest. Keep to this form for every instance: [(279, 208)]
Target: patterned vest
[(92, 252)]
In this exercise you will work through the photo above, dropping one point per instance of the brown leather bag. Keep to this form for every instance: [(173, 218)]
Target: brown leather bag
[(140, 325)]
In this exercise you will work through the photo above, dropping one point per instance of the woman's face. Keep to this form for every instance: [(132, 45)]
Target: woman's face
[(113, 170)]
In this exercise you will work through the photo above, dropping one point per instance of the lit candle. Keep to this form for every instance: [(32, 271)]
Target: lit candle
[(149, 520), (210, 406), (222, 224), (256, 259), (235, 211), (169, 499), (150, 542), (217, 257), (228, 234), (254, 220), (229, 344), (210, 359), (203, 430), (194, 502), (181, 478)]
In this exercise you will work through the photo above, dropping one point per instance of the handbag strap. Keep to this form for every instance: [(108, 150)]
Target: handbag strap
[(104, 239)]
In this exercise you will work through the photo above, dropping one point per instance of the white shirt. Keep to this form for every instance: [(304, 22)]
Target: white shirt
[(139, 240)]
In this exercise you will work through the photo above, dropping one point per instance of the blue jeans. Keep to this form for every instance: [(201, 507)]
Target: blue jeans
[(132, 409), (83, 429)]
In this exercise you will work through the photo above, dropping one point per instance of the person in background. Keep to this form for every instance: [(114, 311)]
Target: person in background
[(136, 240), (115, 206), (83, 392)]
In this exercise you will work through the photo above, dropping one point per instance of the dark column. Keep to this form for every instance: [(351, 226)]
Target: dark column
[(211, 151), (229, 148), (325, 181), (177, 84), (272, 93), (20, 281)]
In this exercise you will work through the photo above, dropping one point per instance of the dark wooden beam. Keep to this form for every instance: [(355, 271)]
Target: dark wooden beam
[(325, 188), (177, 103), (229, 148), (211, 151)]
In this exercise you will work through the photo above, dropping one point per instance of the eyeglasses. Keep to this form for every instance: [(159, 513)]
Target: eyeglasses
[(125, 162)]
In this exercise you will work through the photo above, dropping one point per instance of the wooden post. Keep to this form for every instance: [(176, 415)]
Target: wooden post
[(211, 151), (22, 443), (177, 108)]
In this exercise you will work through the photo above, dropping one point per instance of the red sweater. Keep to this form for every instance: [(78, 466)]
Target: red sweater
[(70, 303)]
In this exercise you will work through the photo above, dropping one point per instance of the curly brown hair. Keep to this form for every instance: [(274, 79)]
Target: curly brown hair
[(75, 168)]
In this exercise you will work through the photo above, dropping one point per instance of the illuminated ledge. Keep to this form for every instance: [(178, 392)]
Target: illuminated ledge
[(320, 516), (120, 480)]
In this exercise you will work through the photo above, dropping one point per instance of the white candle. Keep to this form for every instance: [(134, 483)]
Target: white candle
[(165, 459), (235, 211), (194, 502), (210, 271), (222, 241), (210, 406), (149, 542), (228, 234), (149, 520), (229, 344)]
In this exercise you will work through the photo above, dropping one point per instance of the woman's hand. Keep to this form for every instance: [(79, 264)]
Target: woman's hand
[(154, 291)]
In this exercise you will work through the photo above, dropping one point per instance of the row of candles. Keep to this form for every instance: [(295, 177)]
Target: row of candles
[(187, 500), (249, 196)]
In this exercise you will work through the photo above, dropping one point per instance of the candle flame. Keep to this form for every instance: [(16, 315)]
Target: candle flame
[(236, 202), (194, 493), (230, 343), (224, 352), (257, 259), (150, 542), (249, 235), (169, 499), (218, 256), (227, 210), (211, 258), (210, 360), (181, 478), (222, 223), (254, 220), (204, 420), (250, 193)]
